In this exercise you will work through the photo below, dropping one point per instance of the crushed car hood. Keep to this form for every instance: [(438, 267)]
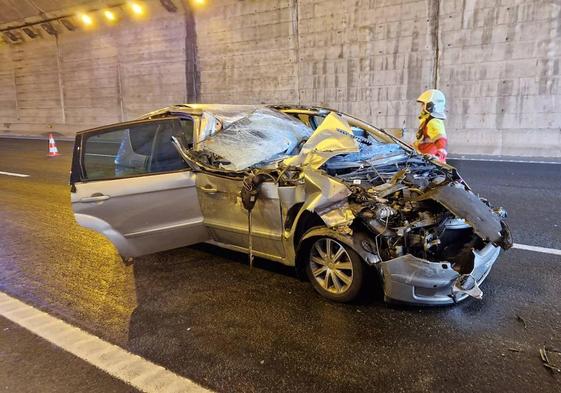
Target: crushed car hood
[(465, 204)]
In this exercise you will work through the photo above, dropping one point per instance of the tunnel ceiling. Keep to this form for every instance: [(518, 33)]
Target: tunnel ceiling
[(19, 10)]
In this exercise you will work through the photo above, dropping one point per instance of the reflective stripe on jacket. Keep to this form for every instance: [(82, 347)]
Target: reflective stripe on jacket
[(431, 138)]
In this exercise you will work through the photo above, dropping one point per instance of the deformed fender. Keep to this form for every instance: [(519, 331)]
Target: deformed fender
[(354, 241)]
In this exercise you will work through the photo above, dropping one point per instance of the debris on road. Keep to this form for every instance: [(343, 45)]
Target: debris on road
[(520, 319), (550, 349), (545, 360)]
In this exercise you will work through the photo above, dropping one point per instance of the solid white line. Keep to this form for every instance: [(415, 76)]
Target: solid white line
[(544, 250), (132, 369), (499, 160), (13, 174)]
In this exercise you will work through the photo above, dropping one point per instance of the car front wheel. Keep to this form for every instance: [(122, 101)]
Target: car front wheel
[(334, 269)]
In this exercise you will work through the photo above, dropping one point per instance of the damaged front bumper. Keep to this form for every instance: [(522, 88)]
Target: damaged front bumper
[(409, 279)]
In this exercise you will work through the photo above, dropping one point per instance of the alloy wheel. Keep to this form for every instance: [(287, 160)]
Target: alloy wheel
[(331, 265)]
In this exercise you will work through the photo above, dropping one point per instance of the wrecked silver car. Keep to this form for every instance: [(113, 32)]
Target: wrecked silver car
[(308, 187)]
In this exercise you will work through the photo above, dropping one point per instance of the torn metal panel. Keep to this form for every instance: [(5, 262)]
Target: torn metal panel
[(338, 214), (324, 192), (465, 204), (333, 137), (341, 216)]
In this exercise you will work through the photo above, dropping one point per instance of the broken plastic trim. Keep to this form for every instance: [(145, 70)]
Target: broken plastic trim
[(467, 284), (415, 280)]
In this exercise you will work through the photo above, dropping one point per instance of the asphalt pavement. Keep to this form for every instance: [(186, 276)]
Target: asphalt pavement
[(31, 364), (201, 313)]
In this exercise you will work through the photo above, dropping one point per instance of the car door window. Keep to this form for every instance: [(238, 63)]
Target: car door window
[(165, 157), (135, 149)]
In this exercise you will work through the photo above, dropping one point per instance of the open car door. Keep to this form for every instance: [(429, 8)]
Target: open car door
[(131, 185)]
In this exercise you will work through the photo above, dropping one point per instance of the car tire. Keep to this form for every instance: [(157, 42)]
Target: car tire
[(335, 270)]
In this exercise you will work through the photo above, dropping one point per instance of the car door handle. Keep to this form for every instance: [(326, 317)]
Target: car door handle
[(209, 189), (97, 198)]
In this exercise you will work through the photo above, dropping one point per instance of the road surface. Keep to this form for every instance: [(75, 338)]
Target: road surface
[(200, 312)]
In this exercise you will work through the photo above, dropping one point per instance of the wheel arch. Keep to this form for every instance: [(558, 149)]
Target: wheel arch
[(354, 242)]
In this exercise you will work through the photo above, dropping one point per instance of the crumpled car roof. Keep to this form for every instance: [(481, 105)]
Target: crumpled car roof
[(262, 135)]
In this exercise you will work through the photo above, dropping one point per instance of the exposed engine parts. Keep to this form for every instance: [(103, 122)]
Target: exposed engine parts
[(395, 202)]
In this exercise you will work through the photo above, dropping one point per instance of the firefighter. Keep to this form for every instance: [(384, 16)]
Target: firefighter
[(431, 135)]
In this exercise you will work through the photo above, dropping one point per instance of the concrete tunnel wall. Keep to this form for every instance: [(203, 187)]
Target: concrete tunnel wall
[(496, 60), (84, 79)]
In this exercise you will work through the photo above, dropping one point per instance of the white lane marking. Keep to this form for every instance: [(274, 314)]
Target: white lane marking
[(13, 174), (499, 160), (544, 250), (132, 369)]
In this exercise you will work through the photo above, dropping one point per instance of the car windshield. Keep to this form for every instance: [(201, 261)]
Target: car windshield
[(264, 135)]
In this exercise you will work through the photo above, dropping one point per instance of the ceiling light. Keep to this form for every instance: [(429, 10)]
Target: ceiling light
[(109, 15), (86, 19), (136, 8)]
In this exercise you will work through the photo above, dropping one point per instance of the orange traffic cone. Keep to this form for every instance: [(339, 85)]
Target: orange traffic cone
[(53, 151)]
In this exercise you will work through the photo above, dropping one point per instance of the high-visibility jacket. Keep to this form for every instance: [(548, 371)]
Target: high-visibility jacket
[(431, 138)]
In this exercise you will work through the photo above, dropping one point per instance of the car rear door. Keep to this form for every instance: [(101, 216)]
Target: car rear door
[(131, 185)]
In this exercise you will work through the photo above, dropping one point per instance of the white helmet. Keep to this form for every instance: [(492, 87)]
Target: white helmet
[(434, 103)]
